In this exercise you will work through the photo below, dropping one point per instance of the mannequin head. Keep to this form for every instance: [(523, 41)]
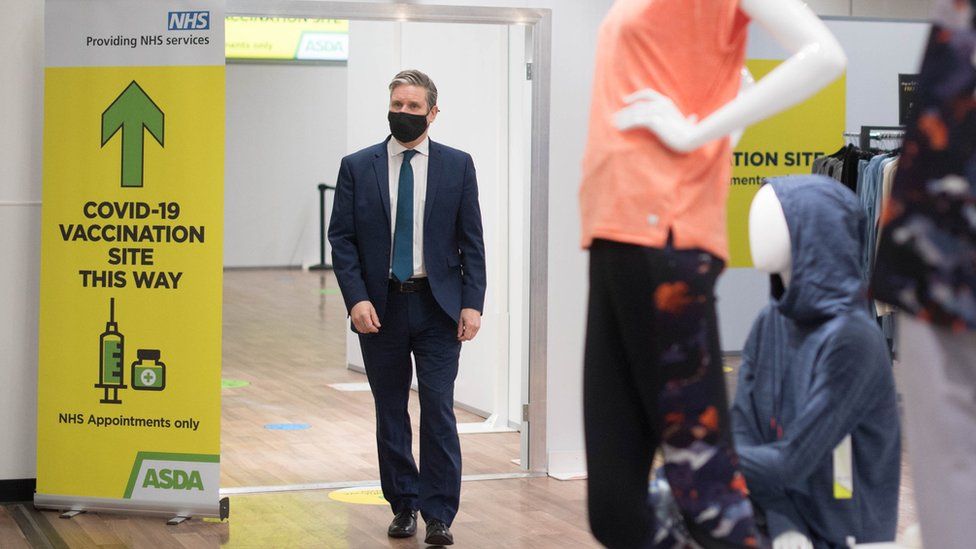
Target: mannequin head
[(769, 235)]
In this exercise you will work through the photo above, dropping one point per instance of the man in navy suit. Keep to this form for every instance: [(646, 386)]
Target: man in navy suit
[(408, 253)]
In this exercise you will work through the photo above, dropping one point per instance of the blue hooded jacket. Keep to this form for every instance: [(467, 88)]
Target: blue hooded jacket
[(814, 370)]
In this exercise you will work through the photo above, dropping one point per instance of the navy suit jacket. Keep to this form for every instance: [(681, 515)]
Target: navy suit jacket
[(361, 235)]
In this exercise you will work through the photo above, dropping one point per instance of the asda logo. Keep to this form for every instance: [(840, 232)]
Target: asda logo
[(172, 479), (178, 479)]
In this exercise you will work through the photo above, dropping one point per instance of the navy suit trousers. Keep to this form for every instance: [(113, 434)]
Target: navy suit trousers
[(415, 323)]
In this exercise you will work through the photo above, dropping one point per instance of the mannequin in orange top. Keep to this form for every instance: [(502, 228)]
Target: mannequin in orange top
[(668, 93)]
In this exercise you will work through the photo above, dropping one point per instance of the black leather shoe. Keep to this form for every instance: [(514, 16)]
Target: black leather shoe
[(438, 533), (404, 524)]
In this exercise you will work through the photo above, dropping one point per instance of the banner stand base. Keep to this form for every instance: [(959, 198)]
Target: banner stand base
[(224, 508), (73, 505)]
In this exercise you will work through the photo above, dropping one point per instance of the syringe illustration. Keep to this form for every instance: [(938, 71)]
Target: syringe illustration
[(111, 345)]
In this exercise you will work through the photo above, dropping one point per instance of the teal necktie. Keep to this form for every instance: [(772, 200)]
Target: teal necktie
[(403, 233)]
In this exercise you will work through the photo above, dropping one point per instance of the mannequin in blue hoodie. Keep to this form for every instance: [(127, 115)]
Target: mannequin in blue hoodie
[(815, 416)]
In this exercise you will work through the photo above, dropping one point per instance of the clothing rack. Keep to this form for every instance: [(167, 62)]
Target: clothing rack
[(870, 133), (860, 167)]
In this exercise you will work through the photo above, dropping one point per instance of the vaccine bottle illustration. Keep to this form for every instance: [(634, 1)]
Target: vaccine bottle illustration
[(148, 373), (111, 350)]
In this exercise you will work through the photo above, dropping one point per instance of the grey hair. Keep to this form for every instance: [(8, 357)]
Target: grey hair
[(414, 77)]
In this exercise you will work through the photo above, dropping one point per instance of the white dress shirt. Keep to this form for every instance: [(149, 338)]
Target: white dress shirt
[(419, 164)]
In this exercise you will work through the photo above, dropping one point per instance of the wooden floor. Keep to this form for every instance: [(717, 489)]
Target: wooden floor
[(284, 333), (536, 513), (530, 513)]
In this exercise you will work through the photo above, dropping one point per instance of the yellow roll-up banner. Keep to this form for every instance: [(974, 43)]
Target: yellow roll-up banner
[(785, 144), (131, 257)]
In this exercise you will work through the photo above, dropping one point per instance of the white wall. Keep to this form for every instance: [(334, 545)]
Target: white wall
[(877, 52), (286, 131), (573, 46), (872, 99), (374, 54), (21, 96), (889, 9)]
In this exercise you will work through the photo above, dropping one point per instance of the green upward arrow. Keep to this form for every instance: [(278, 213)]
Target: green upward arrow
[(132, 111)]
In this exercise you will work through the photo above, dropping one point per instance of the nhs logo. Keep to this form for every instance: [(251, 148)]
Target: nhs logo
[(188, 20)]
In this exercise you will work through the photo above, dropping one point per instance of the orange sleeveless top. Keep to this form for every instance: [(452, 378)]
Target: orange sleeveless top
[(635, 190)]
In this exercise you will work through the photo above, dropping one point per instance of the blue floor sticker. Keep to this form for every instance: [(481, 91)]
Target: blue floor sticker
[(287, 426)]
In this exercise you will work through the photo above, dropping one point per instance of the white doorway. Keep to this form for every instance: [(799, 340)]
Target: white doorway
[(486, 97), (483, 95)]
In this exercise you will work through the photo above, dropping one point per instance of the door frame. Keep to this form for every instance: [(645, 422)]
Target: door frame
[(539, 25)]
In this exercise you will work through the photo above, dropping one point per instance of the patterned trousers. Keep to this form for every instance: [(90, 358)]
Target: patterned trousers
[(653, 379)]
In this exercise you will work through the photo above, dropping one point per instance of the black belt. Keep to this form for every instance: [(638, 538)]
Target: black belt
[(411, 286)]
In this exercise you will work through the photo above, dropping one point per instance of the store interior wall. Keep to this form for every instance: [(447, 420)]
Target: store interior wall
[(286, 132), (872, 99), (574, 27), (889, 9), (21, 96)]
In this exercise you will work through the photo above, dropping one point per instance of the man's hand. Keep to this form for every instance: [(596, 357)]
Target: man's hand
[(469, 325), (364, 318)]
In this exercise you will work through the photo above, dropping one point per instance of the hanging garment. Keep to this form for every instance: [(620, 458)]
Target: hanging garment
[(885, 309), (869, 191), (815, 371), (862, 166), (927, 266), (927, 257), (832, 165), (843, 165), (851, 162), (819, 165)]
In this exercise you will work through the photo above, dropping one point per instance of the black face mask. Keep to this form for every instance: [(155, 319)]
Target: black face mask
[(407, 127)]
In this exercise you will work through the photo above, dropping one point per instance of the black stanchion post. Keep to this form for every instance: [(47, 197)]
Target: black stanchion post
[(323, 264)]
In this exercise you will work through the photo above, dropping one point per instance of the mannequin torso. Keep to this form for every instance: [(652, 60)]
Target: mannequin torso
[(816, 61), (681, 138)]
